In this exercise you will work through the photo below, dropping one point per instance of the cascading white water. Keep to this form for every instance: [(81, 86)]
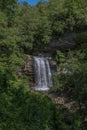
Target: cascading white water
[(42, 74)]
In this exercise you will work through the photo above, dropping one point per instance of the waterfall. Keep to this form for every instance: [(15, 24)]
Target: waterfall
[(42, 73)]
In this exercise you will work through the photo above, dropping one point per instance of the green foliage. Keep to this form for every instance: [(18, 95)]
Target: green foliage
[(81, 38), (60, 57), (68, 121), (25, 22), (72, 79), (21, 109), (43, 33), (57, 85), (8, 7)]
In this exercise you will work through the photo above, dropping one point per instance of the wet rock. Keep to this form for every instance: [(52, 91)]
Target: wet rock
[(53, 66)]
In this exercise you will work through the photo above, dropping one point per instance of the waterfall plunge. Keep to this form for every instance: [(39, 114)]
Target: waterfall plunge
[(42, 74)]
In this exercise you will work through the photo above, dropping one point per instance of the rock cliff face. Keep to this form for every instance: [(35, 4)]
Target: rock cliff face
[(29, 70), (67, 41), (53, 66)]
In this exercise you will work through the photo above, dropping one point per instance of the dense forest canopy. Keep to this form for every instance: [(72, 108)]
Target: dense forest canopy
[(24, 29)]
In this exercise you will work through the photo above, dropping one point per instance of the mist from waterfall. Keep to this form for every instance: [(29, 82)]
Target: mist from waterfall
[(42, 73)]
